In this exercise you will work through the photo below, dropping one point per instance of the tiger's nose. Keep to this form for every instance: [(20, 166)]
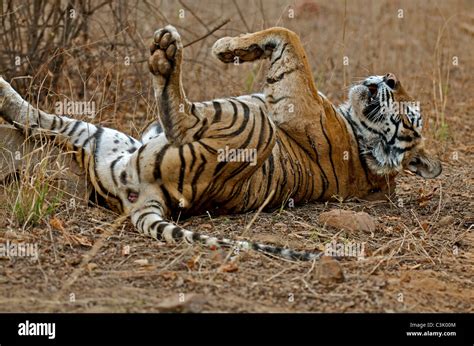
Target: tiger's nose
[(390, 80)]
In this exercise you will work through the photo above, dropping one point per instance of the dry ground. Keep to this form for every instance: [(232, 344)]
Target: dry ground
[(420, 258)]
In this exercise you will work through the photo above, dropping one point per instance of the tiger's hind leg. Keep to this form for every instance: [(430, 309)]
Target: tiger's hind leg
[(181, 121), (101, 152)]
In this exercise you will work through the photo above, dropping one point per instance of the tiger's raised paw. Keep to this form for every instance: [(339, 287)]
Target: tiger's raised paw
[(237, 49), (166, 50)]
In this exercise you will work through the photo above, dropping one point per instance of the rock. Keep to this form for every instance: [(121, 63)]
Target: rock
[(329, 271), (446, 220), (348, 220), (142, 262), (18, 153)]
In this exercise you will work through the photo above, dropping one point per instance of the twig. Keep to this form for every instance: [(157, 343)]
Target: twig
[(241, 16), (258, 212), (209, 33), (194, 14), (89, 255)]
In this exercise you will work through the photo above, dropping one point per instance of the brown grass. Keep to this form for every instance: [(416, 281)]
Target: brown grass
[(419, 259)]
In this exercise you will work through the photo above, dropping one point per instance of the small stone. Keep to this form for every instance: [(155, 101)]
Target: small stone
[(329, 271), (348, 220), (446, 221)]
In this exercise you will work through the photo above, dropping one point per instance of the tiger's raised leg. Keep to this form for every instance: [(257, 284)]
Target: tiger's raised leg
[(292, 98), (181, 120), (101, 152)]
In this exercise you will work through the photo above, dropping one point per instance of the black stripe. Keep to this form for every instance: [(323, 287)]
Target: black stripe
[(218, 111), (263, 125), (161, 227), (405, 138), (74, 128), (193, 113), (280, 76), (372, 129), (138, 168), (234, 116), (141, 219), (259, 98), (241, 127), (398, 150), (193, 156), (177, 233), (112, 166), (166, 111), (397, 124), (98, 128), (204, 126), (97, 136), (281, 54), (78, 138), (53, 125), (330, 154), (196, 236), (61, 122), (208, 148), (324, 179), (283, 162), (195, 179), (182, 170), (361, 159), (158, 160), (153, 225), (271, 168), (169, 201), (274, 101), (218, 168)]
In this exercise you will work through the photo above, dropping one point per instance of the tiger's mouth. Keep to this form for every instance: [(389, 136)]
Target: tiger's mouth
[(372, 90), (132, 196)]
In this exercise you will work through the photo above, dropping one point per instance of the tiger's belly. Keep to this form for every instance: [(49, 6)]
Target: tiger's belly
[(287, 177)]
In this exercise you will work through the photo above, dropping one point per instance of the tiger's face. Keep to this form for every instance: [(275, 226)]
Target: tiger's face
[(388, 123)]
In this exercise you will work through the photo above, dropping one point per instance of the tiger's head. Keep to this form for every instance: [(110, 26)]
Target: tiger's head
[(388, 126)]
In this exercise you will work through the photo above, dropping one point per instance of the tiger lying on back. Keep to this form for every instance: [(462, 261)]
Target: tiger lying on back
[(304, 148)]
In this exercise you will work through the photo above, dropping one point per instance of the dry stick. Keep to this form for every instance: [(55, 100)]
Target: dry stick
[(267, 200), (232, 250), (241, 16), (209, 33), (421, 226), (194, 14), (89, 255)]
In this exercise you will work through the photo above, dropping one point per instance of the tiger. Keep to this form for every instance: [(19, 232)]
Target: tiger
[(303, 147)]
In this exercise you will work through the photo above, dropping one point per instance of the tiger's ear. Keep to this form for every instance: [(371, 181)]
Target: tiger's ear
[(424, 164)]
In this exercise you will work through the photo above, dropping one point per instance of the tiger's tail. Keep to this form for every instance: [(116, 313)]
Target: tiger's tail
[(148, 220)]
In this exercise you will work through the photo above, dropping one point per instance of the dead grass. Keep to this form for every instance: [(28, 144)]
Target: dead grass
[(420, 258)]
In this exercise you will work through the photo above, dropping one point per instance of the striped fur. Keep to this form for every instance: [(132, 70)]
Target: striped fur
[(304, 149)]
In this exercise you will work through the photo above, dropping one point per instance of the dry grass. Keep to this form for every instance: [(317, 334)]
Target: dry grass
[(419, 259)]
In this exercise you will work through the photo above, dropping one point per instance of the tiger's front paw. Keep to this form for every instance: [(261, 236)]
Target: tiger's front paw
[(166, 50)]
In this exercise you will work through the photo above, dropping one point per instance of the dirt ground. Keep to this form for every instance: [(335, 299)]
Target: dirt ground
[(420, 258)]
